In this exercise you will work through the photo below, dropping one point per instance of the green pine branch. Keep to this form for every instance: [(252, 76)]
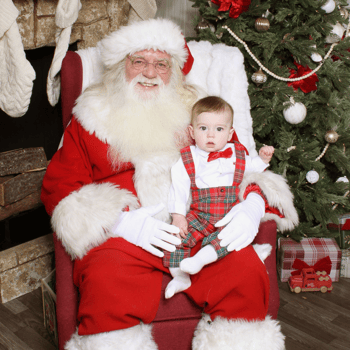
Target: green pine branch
[(294, 27)]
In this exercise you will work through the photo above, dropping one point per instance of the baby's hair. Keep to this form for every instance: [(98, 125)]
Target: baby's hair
[(210, 104)]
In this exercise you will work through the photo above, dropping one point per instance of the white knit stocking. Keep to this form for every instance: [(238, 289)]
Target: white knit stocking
[(66, 14), (16, 73)]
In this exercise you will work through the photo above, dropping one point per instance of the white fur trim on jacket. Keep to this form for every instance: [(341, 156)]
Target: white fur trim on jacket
[(278, 195), (82, 219), (134, 338), (157, 34), (223, 334)]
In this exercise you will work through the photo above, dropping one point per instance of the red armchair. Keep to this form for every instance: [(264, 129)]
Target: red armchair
[(177, 317)]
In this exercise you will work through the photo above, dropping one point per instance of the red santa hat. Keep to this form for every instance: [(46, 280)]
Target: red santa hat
[(157, 34)]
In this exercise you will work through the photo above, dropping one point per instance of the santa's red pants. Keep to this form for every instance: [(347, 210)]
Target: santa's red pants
[(120, 285)]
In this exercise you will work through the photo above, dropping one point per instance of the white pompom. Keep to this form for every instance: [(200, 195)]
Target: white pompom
[(312, 176), (295, 113)]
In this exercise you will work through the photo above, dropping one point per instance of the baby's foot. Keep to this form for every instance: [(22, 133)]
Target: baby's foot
[(191, 265), (177, 285)]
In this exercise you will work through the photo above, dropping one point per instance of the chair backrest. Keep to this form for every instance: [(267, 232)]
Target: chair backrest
[(218, 70)]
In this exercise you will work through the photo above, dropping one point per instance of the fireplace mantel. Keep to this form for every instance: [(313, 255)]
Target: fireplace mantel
[(97, 18)]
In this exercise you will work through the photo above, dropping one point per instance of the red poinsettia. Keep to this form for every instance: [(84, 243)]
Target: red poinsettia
[(305, 85), (236, 7)]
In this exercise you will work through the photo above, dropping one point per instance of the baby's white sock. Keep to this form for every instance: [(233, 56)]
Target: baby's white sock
[(205, 256), (181, 281)]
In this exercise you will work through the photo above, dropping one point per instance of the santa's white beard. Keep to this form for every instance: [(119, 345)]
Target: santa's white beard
[(146, 123)]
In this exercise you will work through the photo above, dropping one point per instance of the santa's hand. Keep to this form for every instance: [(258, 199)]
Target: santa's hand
[(140, 228), (242, 223)]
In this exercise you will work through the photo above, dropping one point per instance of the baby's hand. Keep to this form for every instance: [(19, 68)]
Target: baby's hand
[(180, 222), (266, 153)]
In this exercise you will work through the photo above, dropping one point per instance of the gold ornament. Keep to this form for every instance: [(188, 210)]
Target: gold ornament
[(287, 37), (259, 77), (203, 24), (344, 12), (262, 24), (331, 136)]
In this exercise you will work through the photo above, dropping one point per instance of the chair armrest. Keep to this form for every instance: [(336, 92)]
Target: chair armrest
[(71, 84), (66, 295), (268, 234)]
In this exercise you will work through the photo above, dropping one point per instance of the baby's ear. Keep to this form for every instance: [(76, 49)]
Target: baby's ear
[(232, 130), (191, 130)]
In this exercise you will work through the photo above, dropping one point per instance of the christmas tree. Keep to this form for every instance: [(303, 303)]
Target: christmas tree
[(297, 60)]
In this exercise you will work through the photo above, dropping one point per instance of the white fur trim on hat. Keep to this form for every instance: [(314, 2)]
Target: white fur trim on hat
[(157, 34)]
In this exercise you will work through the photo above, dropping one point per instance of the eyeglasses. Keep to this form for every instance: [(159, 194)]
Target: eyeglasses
[(140, 64)]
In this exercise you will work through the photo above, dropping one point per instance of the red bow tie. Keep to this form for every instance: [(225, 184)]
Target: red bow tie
[(224, 154)]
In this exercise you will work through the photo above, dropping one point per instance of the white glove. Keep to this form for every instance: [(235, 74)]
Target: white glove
[(140, 228), (243, 223)]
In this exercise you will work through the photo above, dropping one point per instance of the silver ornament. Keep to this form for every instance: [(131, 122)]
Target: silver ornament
[(312, 176), (331, 136), (259, 77)]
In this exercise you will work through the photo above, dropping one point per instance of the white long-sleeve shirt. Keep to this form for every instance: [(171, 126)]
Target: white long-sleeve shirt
[(217, 173)]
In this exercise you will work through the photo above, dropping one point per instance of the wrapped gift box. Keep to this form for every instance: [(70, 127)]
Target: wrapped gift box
[(345, 263), (309, 250), (343, 228)]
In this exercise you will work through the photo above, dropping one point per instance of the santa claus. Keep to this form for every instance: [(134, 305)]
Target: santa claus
[(106, 189)]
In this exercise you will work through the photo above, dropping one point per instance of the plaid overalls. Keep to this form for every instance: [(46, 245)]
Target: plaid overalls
[(209, 205)]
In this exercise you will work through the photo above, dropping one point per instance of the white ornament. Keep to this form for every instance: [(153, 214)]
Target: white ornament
[(329, 6), (295, 113), (312, 176), (343, 179), (336, 34), (316, 57)]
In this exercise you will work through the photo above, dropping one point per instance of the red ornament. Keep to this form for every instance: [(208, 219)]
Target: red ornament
[(336, 58), (236, 7), (305, 85)]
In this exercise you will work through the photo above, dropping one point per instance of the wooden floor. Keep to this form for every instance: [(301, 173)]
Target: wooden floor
[(309, 320), (22, 324), (312, 320)]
